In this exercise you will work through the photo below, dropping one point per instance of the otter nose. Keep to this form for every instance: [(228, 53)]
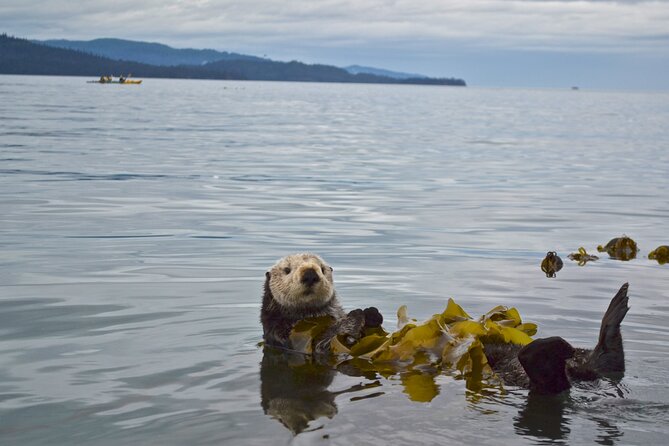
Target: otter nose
[(310, 277)]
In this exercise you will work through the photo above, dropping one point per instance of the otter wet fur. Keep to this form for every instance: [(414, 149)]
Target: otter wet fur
[(301, 286), (549, 365)]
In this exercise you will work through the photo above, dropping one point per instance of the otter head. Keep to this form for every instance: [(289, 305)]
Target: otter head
[(301, 281)]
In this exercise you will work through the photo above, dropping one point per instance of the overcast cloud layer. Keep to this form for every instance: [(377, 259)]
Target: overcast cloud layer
[(400, 34)]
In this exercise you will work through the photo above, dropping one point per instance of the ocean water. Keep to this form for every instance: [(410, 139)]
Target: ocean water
[(136, 224)]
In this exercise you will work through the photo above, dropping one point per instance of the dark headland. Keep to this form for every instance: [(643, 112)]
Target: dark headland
[(21, 56)]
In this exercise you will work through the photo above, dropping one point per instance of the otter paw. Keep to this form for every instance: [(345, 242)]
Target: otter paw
[(351, 327), (373, 318), (354, 321)]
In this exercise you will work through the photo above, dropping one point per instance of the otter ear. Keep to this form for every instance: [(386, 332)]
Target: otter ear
[(267, 274)]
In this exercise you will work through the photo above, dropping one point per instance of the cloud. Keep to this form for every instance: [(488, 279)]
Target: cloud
[(516, 24), (526, 42)]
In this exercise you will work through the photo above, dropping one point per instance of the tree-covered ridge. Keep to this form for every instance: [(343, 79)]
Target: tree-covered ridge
[(146, 52), (20, 56)]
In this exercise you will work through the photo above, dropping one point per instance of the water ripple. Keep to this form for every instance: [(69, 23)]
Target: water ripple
[(134, 250)]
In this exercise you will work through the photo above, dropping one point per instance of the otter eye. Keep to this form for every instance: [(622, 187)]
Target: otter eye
[(286, 270)]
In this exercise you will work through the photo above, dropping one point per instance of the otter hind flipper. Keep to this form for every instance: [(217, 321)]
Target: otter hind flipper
[(608, 356)]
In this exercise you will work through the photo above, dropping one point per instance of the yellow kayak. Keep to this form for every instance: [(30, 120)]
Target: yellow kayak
[(127, 81)]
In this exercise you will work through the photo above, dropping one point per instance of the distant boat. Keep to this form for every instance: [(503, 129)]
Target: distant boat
[(121, 80), (575, 88), (133, 82)]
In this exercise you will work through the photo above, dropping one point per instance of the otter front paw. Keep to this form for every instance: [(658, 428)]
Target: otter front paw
[(351, 327), (373, 319)]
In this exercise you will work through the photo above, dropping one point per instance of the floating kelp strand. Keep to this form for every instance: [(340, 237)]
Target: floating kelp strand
[(451, 339), (620, 248), (582, 257), (551, 264), (661, 254)]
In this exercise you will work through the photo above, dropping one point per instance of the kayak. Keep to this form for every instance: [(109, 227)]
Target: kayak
[(131, 81)]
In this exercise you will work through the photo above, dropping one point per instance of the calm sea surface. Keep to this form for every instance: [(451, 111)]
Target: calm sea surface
[(136, 224)]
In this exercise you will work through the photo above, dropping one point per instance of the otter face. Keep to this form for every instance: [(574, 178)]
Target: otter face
[(301, 281)]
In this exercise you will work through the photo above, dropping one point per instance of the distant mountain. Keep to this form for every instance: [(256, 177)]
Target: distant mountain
[(298, 71), (146, 52), (20, 56), (357, 69)]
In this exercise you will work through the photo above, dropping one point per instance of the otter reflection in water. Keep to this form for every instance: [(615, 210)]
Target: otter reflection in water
[(543, 417), (547, 418), (294, 388)]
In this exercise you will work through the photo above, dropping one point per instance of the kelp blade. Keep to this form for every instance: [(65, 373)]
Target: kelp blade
[(448, 339)]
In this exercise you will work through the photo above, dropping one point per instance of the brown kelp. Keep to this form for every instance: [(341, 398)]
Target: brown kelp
[(448, 340), (582, 257), (661, 254), (620, 248), (551, 264)]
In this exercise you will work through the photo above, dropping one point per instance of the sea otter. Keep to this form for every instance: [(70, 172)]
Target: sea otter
[(300, 286)]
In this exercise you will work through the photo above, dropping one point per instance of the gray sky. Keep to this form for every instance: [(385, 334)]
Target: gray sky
[(534, 43)]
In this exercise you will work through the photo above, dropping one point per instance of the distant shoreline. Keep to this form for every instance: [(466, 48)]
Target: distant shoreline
[(87, 78), (21, 56)]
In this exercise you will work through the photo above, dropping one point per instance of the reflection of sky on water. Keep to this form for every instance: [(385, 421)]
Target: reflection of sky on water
[(135, 242)]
